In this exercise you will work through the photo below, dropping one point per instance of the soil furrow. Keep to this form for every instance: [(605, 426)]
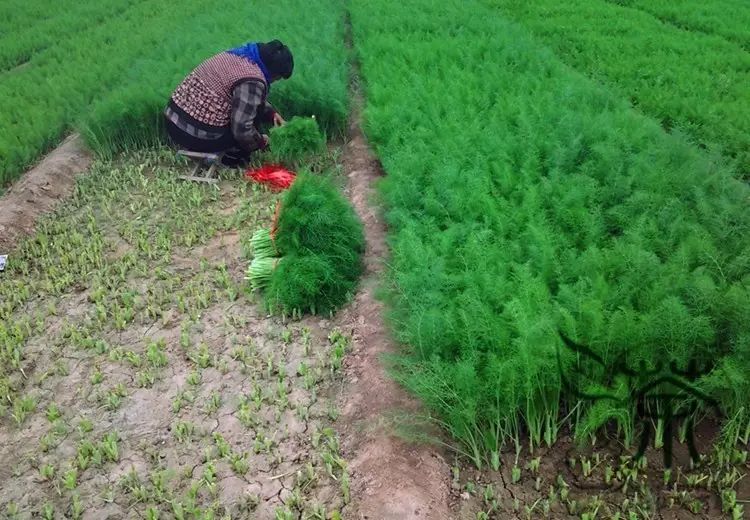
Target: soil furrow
[(40, 189), (391, 478)]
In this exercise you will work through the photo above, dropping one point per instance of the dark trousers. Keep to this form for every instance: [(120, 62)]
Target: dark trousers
[(234, 155)]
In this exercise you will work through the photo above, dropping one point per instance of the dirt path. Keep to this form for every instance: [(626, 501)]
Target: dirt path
[(40, 189), (392, 479)]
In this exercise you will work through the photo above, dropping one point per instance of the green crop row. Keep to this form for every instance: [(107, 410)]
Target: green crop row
[(17, 16), (18, 47), (523, 199), (130, 115), (696, 82), (320, 85), (42, 100), (726, 18)]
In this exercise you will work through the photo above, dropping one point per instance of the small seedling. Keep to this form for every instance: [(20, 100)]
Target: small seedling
[(88, 455), (209, 474), (194, 378), (97, 376), (283, 514), (333, 412), (70, 479), (133, 358), (113, 400), (586, 466), (47, 471), (22, 408), (109, 447), (214, 402), (76, 507), (178, 510), (222, 446), (146, 378), (489, 494), (240, 464), (202, 356), (183, 431), (85, 426), (116, 354), (48, 512), (306, 341), (53, 413), (156, 355), (345, 487), (533, 465), (181, 399), (59, 428), (185, 336), (456, 472), (340, 343), (245, 415), (61, 368), (158, 482)]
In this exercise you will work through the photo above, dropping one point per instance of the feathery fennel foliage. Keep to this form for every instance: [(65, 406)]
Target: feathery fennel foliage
[(729, 18), (299, 139), (523, 198), (690, 81), (321, 242), (42, 100)]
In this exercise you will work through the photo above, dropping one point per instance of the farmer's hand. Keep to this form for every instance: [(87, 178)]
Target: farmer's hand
[(265, 141), (278, 120)]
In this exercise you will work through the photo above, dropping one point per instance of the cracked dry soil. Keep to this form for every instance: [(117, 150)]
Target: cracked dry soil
[(150, 387)]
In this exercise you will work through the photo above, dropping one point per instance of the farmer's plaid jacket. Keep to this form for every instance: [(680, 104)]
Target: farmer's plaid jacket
[(224, 92)]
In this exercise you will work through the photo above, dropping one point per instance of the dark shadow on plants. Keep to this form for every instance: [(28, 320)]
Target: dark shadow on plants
[(661, 393)]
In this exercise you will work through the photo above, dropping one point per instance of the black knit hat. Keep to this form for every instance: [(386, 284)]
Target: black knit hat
[(277, 58)]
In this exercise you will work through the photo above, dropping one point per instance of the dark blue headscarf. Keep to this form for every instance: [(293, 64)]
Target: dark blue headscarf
[(250, 52)]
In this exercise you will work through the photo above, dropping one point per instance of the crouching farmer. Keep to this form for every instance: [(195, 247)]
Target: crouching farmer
[(220, 106)]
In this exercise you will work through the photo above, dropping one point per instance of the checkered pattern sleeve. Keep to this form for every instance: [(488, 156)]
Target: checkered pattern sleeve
[(247, 104)]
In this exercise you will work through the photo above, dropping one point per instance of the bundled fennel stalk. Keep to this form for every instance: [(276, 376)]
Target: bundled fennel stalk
[(260, 271), (264, 262), (262, 244)]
